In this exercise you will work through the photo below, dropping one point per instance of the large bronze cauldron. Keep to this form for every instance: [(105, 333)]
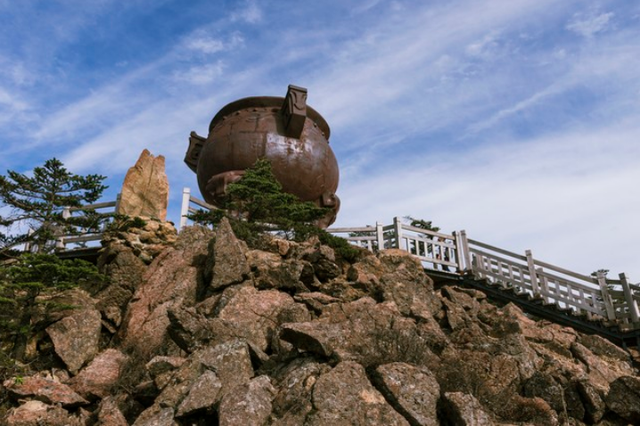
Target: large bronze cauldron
[(287, 132)]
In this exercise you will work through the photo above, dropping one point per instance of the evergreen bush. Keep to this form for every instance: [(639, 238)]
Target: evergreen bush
[(256, 204), (27, 287)]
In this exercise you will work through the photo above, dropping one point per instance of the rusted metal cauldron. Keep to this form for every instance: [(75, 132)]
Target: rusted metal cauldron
[(287, 132)]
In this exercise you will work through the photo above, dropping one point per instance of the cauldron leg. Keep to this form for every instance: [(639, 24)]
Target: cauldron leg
[(217, 186), (330, 200)]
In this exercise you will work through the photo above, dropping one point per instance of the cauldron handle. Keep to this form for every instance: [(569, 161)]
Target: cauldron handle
[(294, 111), (193, 152)]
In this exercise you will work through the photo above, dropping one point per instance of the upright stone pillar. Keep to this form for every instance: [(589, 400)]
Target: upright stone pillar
[(145, 191)]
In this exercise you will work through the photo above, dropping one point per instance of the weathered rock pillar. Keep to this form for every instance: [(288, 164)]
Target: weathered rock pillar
[(145, 191)]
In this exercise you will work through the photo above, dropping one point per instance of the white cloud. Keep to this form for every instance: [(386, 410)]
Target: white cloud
[(588, 26), (205, 45), (200, 75), (14, 110), (365, 6), (200, 42), (505, 113), (364, 76), (484, 47), (11, 102), (250, 13), (571, 198), (85, 114)]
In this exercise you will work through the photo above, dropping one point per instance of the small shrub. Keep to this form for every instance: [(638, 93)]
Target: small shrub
[(256, 204), (342, 248), (123, 223)]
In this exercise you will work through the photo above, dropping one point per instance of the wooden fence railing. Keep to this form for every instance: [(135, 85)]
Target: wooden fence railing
[(63, 240), (615, 300), (434, 249), (186, 208)]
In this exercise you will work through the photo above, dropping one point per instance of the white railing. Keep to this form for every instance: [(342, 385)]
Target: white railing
[(434, 249), (186, 208), (63, 240), (597, 297), (611, 299)]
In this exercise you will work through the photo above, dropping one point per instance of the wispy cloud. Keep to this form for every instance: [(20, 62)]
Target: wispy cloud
[(249, 12), (205, 45), (202, 74), (366, 77), (466, 113), (523, 196), (590, 24), (202, 42), (520, 106)]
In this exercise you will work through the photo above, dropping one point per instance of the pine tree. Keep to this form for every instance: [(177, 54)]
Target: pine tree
[(36, 205), (257, 203), (27, 287)]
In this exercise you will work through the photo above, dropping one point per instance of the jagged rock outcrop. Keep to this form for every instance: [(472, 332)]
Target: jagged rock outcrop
[(172, 280), (145, 191), (46, 390), (100, 376), (209, 331), (76, 338)]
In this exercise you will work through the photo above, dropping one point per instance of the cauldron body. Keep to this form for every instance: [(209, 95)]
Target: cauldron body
[(260, 127)]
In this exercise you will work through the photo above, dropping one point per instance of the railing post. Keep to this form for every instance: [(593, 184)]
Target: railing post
[(397, 229), (380, 236), (463, 257), (544, 285), (532, 273), (60, 244), (628, 297), (467, 253), (456, 242), (606, 297), (117, 208), (28, 245), (184, 209), (66, 212)]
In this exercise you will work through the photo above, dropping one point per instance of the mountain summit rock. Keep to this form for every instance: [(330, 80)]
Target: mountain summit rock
[(209, 331)]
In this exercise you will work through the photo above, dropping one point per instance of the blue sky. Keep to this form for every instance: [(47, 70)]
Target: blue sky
[(517, 120)]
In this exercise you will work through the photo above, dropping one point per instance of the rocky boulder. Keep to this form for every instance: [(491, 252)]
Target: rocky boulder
[(76, 338), (462, 409), (624, 398), (101, 375), (172, 280), (146, 237), (344, 396), (145, 191), (44, 389), (228, 260), (209, 331), (363, 331), (247, 404), (37, 413), (412, 391)]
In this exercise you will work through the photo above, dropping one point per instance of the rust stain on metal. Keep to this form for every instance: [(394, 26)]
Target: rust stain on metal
[(286, 131)]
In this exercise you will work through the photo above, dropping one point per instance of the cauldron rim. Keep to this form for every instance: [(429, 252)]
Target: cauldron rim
[(266, 102)]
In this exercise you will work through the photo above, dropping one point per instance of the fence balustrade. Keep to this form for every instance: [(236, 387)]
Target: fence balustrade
[(615, 300), (597, 297), (186, 209), (64, 240)]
